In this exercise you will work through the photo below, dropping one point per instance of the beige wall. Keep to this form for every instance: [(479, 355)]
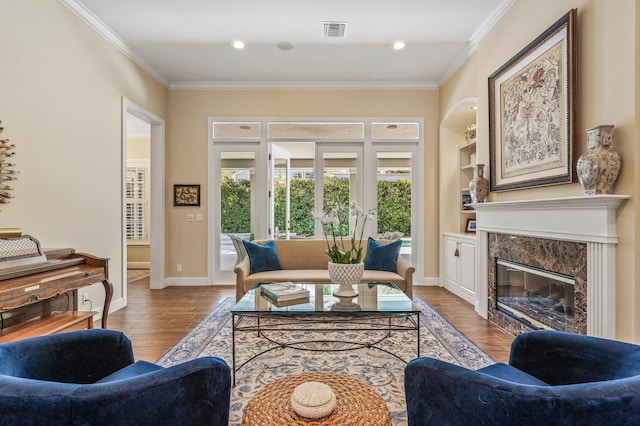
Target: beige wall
[(607, 57), (187, 149), (138, 148), (61, 89), (138, 254)]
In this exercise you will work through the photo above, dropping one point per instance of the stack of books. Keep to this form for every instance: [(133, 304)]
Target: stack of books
[(285, 293)]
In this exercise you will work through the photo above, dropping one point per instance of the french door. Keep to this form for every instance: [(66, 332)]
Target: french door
[(238, 191), (268, 178)]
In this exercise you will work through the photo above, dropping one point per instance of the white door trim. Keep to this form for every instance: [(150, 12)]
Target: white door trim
[(157, 215)]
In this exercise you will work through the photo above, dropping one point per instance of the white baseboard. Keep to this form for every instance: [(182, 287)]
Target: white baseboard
[(138, 265), (427, 282), (460, 293), (115, 306)]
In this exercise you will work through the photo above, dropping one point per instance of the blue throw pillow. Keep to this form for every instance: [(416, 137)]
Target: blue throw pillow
[(382, 257), (262, 257)]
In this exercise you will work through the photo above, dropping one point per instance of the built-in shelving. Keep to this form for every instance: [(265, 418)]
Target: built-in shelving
[(466, 161), (457, 156)]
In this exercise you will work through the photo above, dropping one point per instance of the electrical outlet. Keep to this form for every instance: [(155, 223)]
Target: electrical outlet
[(191, 217), (85, 298), (179, 267)]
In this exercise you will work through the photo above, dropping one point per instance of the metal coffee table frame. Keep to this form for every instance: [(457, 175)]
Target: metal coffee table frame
[(254, 313)]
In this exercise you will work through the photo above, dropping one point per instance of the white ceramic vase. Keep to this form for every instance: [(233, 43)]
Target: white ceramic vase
[(479, 185), (599, 166), (346, 274)]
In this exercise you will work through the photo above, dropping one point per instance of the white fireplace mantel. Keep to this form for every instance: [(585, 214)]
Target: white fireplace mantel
[(588, 219)]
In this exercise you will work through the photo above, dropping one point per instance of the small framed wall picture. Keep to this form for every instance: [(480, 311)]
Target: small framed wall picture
[(186, 195), (471, 225)]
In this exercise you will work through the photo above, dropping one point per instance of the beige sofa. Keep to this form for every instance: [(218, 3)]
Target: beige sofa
[(305, 260)]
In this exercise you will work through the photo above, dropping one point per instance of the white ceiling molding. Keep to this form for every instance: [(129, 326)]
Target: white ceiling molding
[(319, 85), (475, 39), (107, 33)]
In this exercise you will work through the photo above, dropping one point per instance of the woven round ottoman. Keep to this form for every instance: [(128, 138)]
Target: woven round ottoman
[(358, 403)]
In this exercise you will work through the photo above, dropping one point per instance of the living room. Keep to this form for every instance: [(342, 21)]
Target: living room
[(62, 106)]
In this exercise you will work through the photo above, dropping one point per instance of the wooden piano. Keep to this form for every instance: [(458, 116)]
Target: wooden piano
[(38, 289)]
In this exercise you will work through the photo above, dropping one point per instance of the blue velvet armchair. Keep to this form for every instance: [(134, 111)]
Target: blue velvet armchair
[(553, 378), (89, 377)]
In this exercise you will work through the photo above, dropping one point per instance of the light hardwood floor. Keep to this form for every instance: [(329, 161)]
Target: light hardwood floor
[(155, 320)]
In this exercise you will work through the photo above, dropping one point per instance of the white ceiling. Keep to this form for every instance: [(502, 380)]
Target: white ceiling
[(187, 43)]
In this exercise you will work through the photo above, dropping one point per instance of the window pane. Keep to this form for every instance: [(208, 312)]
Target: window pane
[(136, 188), (402, 131), (394, 198), (236, 206), (135, 221), (340, 183), (236, 130), (301, 189), (316, 131)]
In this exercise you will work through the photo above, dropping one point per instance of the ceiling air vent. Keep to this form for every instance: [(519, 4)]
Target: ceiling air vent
[(334, 29)]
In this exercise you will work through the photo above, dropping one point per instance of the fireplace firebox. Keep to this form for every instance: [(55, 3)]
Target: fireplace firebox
[(538, 298)]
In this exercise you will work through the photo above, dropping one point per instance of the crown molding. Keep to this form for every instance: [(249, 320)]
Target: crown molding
[(475, 39), (108, 34), (304, 85)]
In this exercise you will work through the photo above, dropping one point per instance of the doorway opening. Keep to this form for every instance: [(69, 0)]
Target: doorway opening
[(143, 144)]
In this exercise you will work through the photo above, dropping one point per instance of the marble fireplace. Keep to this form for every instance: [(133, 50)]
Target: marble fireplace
[(573, 238)]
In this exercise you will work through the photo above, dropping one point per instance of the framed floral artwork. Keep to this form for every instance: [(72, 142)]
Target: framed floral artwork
[(186, 195), (532, 112)]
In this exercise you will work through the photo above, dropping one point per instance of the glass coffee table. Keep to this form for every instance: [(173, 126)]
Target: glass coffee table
[(324, 323)]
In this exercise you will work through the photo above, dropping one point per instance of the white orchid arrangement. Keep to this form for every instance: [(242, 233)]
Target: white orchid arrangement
[(335, 219)]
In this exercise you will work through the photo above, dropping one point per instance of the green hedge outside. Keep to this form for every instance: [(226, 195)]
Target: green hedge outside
[(394, 207)]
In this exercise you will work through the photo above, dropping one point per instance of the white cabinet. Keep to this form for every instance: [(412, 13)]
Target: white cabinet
[(460, 266)]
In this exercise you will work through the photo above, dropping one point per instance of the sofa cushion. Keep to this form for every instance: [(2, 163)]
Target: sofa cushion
[(382, 257), (131, 370), (262, 257), (511, 374)]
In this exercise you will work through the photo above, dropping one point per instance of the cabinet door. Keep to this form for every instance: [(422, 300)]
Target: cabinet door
[(451, 261), (468, 267)]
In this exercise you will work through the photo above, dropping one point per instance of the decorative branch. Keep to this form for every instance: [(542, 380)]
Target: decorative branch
[(7, 173)]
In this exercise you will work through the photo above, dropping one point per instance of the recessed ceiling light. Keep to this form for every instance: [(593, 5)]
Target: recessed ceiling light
[(238, 44), (398, 45), (285, 45)]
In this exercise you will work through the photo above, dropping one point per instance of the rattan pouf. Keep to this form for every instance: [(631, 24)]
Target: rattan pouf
[(358, 403)]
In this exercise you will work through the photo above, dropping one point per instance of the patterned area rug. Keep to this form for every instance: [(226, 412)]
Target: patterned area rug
[(385, 373)]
